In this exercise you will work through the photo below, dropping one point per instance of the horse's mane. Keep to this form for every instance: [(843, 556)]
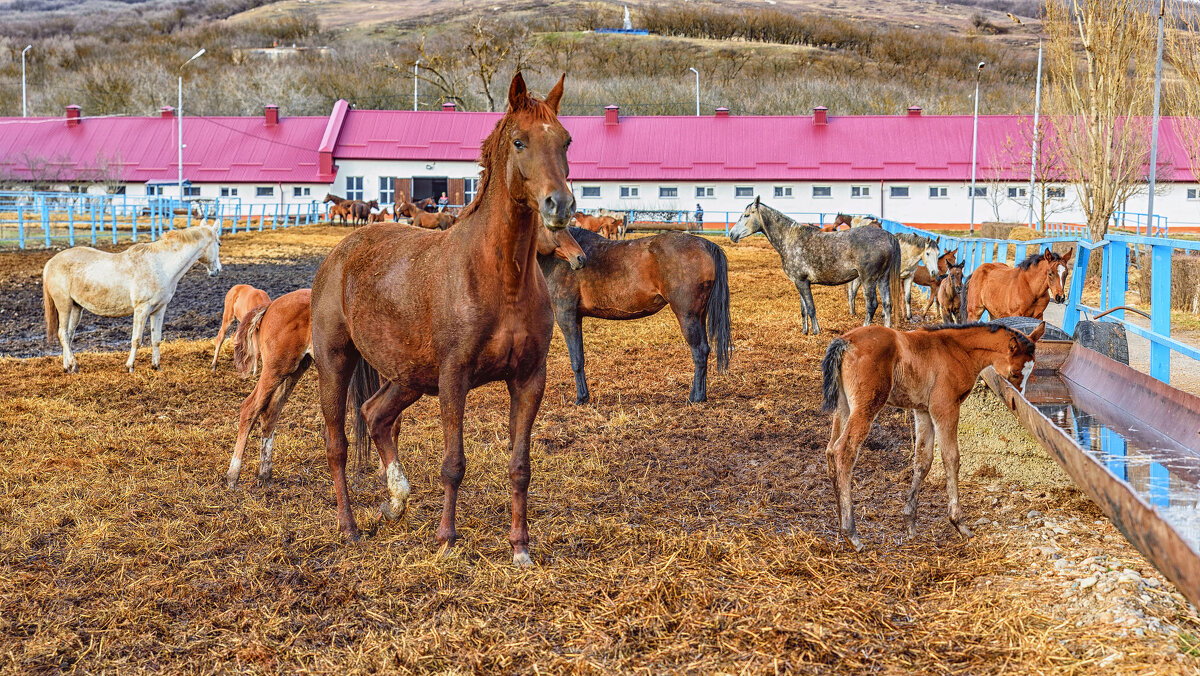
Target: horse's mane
[(914, 239), (1033, 258), (190, 235), (992, 327), (495, 149)]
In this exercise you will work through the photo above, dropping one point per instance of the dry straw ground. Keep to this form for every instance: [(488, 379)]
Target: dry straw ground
[(666, 537)]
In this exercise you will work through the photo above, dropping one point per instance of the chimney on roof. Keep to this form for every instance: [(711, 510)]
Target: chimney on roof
[(73, 114), (449, 106), (611, 115), (914, 111), (820, 116), (271, 114), (166, 112), (722, 112)]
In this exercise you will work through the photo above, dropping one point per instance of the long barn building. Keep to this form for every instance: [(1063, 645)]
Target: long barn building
[(914, 168)]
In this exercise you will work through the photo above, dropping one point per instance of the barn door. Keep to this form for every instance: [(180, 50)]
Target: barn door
[(404, 189), (457, 191)]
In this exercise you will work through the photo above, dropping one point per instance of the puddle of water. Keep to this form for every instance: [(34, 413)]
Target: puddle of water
[(1160, 470)]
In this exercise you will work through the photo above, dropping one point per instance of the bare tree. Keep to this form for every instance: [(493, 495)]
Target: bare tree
[(1183, 92), (494, 45), (1098, 110)]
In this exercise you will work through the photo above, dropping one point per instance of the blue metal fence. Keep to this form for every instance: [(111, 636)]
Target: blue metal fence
[(712, 221), (46, 219)]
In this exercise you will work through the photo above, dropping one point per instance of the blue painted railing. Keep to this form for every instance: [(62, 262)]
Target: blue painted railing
[(714, 221), (975, 251), (49, 219)]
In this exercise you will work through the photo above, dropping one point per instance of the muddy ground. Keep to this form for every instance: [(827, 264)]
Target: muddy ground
[(666, 537)]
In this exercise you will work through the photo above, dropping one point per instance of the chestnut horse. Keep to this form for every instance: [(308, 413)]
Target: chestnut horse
[(930, 371), (1023, 291), (340, 209), (381, 217), (637, 278), (949, 294), (923, 277), (239, 301), (280, 332), (605, 226), (425, 219), (842, 219), (443, 312)]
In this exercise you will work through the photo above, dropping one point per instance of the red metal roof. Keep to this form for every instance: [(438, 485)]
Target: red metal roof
[(137, 149), (709, 148)]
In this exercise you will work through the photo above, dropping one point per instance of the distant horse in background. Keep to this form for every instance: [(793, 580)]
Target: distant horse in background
[(382, 217), (239, 302), (923, 276), (949, 295), (621, 218), (810, 256), (426, 219), (914, 249), (1023, 291), (340, 209), (929, 371), (838, 222), (281, 332), (637, 278), (139, 280), (605, 226), (360, 211)]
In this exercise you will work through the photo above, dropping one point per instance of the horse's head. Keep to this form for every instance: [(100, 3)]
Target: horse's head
[(1012, 363), (530, 146), (211, 255), (930, 256), (1057, 269), (329, 198), (955, 272), (749, 222), (562, 245)]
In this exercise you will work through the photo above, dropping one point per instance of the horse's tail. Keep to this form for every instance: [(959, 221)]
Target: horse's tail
[(245, 341), (962, 301), (897, 289), (363, 384), (718, 305), (831, 369), (51, 312)]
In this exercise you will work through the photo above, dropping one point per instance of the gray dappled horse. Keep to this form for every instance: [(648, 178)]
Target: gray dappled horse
[(810, 256)]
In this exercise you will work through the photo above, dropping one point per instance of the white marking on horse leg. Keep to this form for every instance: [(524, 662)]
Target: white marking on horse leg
[(235, 470), (264, 458), (398, 487), (522, 560)]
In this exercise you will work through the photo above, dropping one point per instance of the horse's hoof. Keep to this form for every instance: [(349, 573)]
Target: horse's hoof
[(130, 369), (581, 401), (522, 560), (352, 534), (154, 366), (964, 531), (856, 543), (388, 513)]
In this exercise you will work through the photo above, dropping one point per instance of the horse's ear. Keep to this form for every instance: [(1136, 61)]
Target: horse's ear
[(517, 92), (757, 200), (1047, 255), (555, 95), (1037, 333), (1067, 256)]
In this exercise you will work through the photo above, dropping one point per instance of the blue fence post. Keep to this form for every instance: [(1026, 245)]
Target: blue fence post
[(133, 227), (46, 221), (1160, 311), (1019, 252), (1117, 267), (114, 224), (94, 223), (1105, 261), (21, 226), (71, 224), (987, 251), (1075, 295)]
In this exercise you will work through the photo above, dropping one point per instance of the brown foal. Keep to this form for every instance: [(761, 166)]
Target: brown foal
[(239, 301), (441, 312), (1023, 291), (930, 371)]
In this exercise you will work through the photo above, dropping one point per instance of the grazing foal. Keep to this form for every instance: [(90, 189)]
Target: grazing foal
[(930, 371), (239, 301)]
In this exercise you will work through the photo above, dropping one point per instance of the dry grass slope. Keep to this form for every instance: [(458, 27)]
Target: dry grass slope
[(666, 537)]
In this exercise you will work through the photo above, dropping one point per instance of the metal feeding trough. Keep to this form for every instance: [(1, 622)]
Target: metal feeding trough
[(1132, 443)]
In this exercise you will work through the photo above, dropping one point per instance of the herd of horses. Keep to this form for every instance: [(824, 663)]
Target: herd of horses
[(397, 312)]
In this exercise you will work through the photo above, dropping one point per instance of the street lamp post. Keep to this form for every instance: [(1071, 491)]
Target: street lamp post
[(24, 108), (1162, 9), (415, 65), (179, 114), (975, 142), (697, 90)]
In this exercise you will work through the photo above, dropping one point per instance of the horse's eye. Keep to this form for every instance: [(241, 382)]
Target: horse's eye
[(567, 145), (519, 144)]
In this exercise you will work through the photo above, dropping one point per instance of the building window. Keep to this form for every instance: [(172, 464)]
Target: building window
[(264, 191), (743, 191), (470, 185), (1059, 193), (591, 191), (354, 187), (937, 192), (154, 190), (387, 190), (898, 191), (228, 192), (783, 192), (300, 191), (1015, 192), (1192, 193), (703, 191), (668, 193), (629, 192), (119, 190), (860, 191), (820, 191), (191, 191), (980, 191)]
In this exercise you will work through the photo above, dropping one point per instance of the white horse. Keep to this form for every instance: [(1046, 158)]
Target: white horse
[(138, 281)]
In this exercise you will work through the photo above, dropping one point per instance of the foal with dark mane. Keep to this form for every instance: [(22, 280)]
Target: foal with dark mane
[(930, 371), (1023, 291), (441, 312)]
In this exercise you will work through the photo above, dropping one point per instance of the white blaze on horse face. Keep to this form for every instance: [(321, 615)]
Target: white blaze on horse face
[(1062, 276)]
